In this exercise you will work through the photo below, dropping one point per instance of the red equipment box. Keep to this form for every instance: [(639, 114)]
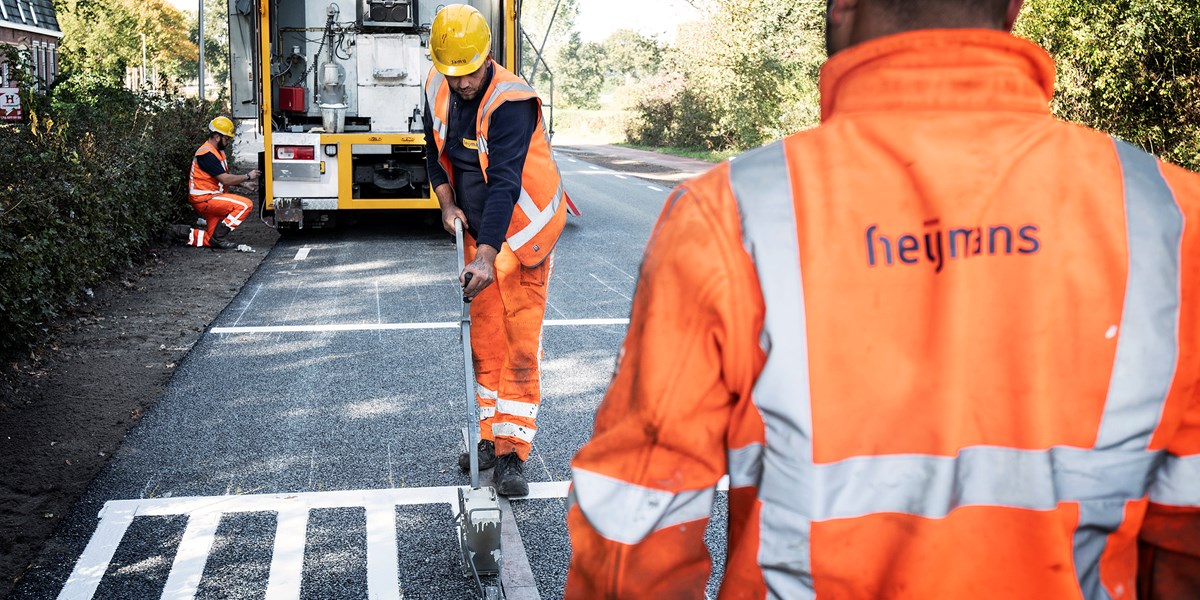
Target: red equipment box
[(291, 99)]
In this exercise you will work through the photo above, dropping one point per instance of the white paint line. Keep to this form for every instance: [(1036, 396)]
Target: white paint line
[(571, 160), (616, 291), (594, 168), (397, 326), (92, 564), (382, 553), (516, 574), (184, 578), (247, 306), (302, 253), (619, 176), (617, 268), (656, 188), (287, 561)]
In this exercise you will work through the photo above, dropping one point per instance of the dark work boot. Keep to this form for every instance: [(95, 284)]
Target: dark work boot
[(177, 233), (487, 457), (510, 476), (218, 240)]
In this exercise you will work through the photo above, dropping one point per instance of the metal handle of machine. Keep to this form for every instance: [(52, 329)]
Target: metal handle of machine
[(468, 367)]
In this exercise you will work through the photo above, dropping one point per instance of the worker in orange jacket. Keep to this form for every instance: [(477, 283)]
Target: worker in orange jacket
[(221, 211), (491, 167), (942, 346)]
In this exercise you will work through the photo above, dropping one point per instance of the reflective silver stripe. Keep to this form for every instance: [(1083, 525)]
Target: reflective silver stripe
[(537, 218), (482, 144), (499, 90), (431, 89), (517, 409), (484, 392), (513, 430), (745, 466), (627, 513), (1146, 348), (933, 486), (486, 412), (760, 182), (1177, 482)]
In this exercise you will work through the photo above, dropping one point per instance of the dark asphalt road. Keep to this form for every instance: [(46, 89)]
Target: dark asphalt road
[(363, 392)]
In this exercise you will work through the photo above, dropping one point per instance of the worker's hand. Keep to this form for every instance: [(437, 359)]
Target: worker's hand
[(255, 174), (482, 270), (449, 214), (251, 185)]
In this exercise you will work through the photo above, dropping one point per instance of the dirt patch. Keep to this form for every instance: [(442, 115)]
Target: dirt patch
[(65, 408)]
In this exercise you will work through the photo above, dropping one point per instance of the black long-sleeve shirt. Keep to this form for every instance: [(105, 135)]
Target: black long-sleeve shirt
[(488, 206)]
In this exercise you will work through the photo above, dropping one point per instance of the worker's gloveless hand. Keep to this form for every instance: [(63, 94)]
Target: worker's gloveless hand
[(254, 174), (482, 270), (449, 214)]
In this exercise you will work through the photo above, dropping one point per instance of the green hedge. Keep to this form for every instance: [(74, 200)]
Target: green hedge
[(86, 183)]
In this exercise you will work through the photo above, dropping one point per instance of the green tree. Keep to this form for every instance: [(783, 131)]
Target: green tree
[(537, 27), (216, 44), (580, 70), (751, 64), (103, 37), (631, 56), (1128, 67)]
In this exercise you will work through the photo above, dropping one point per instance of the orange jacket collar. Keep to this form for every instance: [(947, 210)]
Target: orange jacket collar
[(942, 69)]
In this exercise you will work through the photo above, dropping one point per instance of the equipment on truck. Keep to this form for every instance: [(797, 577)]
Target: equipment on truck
[(337, 87)]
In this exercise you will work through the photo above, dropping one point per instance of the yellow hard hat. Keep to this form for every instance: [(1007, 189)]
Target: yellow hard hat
[(459, 40), (221, 125)]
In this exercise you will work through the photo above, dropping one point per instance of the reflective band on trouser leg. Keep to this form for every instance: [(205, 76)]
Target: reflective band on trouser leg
[(1146, 347), (517, 408), (520, 432), (760, 182), (627, 513), (196, 238), (487, 401), (237, 208)]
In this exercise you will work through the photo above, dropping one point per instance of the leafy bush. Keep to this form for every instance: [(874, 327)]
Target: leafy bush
[(1128, 67), (85, 184), (672, 113)]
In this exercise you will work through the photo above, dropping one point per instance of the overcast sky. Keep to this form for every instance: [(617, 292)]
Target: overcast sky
[(598, 18)]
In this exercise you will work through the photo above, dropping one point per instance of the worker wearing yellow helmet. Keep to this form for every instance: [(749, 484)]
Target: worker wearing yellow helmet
[(490, 166), (222, 211)]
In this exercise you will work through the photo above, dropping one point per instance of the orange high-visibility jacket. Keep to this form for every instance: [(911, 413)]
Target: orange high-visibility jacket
[(945, 346), (540, 214), (201, 184)]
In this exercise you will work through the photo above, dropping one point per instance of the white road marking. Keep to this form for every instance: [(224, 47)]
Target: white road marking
[(184, 578), (571, 160), (248, 303), (302, 253), (619, 176), (204, 513), (656, 188), (594, 168), (397, 326), (616, 267), (615, 290)]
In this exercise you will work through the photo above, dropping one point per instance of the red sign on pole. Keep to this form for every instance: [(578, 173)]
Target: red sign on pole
[(10, 104)]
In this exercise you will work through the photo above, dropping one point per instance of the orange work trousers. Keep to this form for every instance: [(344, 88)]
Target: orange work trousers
[(230, 209), (506, 341)]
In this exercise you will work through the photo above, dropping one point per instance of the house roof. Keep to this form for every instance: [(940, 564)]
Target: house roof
[(29, 15)]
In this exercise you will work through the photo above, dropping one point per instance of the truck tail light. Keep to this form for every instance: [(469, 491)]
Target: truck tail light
[(295, 153)]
